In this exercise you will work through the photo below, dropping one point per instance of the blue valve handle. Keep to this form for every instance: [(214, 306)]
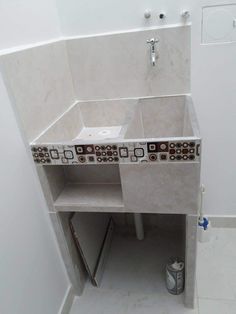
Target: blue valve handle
[(204, 223)]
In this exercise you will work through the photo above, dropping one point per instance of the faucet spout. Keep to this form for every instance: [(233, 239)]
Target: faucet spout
[(153, 56), (153, 42)]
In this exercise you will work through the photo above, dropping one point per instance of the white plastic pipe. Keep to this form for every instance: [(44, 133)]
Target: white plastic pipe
[(202, 191), (138, 221)]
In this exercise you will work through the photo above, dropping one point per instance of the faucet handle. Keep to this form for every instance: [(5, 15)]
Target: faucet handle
[(152, 41)]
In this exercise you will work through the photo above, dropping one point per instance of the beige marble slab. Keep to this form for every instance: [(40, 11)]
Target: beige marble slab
[(118, 65), (161, 188), (190, 260), (163, 116), (90, 197), (40, 85), (72, 260)]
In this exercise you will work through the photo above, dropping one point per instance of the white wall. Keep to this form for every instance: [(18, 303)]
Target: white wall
[(33, 278), (85, 17), (214, 94), (27, 21), (213, 80)]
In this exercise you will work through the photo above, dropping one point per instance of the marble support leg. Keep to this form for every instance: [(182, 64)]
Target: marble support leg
[(190, 260), (138, 221), (72, 261)]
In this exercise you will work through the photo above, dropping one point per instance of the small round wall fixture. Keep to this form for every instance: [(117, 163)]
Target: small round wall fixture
[(185, 14), (147, 14), (162, 16)]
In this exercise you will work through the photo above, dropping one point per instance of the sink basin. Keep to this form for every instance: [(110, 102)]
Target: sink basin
[(90, 121), (152, 129), (162, 117)]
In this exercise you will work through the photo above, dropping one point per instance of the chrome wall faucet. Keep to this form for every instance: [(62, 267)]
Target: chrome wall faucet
[(153, 54)]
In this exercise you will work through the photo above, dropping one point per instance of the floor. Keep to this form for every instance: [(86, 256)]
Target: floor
[(121, 291)]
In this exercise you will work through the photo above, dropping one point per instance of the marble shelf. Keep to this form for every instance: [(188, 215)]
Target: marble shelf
[(90, 198)]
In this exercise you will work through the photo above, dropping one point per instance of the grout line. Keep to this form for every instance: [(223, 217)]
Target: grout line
[(217, 299)]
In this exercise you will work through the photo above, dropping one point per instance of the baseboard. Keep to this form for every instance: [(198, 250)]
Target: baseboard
[(222, 221), (67, 301)]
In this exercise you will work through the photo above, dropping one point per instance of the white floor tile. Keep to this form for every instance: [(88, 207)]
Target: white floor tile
[(216, 271), (140, 289), (157, 304), (134, 279), (99, 301), (139, 266), (207, 306)]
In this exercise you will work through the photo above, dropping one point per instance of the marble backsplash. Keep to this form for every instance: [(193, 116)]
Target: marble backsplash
[(44, 81), (118, 65), (40, 85)]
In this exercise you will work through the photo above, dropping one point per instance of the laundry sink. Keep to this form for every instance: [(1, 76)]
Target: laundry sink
[(152, 129)]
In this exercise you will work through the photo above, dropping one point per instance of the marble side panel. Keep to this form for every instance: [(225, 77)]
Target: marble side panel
[(65, 129), (163, 116), (187, 126), (161, 188), (107, 113), (118, 65), (56, 180), (72, 260), (190, 260), (40, 84), (52, 180), (45, 187), (135, 127), (192, 117)]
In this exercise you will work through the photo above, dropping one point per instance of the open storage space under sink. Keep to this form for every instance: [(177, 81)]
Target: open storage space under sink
[(88, 188), (139, 266), (135, 267), (121, 131)]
